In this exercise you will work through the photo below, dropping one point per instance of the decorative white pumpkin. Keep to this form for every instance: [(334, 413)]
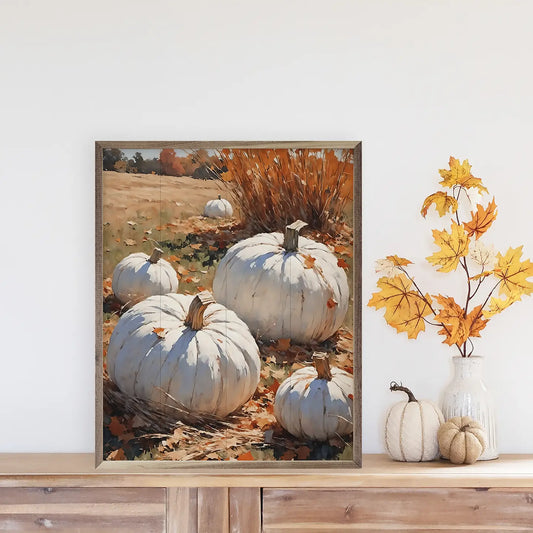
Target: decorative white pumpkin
[(218, 208), (411, 428), (284, 286), (139, 275), (316, 403), (184, 351)]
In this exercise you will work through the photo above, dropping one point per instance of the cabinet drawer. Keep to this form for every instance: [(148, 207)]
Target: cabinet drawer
[(413, 510), (83, 510)]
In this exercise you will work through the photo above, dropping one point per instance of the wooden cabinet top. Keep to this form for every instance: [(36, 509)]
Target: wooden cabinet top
[(77, 470)]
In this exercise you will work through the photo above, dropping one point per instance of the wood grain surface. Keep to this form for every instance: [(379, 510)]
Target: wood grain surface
[(77, 470), (397, 510), (84, 510)]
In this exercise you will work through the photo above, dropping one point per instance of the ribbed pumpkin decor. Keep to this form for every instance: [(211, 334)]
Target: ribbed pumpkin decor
[(140, 275), (284, 286), (411, 428), (184, 351), (462, 440)]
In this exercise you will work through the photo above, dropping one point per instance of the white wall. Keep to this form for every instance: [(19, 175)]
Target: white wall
[(416, 80)]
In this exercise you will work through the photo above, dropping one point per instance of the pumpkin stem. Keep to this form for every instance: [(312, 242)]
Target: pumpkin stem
[(195, 316), (292, 232), (321, 362), (219, 197), (156, 256), (395, 387)]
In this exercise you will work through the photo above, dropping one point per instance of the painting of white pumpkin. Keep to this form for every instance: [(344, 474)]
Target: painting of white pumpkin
[(227, 312), (219, 207)]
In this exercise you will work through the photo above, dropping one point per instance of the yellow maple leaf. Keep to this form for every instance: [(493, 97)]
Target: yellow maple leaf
[(443, 203), (399, 302), (452, 245), (482, 219), (497, 305), (459, 174), (399, 261), (514, 273), (413, 322)]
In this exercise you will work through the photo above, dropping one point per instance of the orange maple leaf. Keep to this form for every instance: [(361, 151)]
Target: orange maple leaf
[(458, 327), (331, 303), (482, 219), (398, 261), (116, 427), (342, 263), (309, 261), (160, 332), (282, 344), (245, 457)]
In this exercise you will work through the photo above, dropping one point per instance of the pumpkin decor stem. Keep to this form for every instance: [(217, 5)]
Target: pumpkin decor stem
[(195, 316), (395, 387), (292, 232), (321, 362), (157, 253), (220, 197)]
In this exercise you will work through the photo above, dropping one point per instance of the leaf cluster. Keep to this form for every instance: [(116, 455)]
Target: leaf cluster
[(501, 280)]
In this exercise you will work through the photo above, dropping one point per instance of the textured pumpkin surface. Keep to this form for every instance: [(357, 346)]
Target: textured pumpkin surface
[(282, 294), (135, 278), (411, 431), (315, 409), (218, 208), (213, 370), (462, 440)]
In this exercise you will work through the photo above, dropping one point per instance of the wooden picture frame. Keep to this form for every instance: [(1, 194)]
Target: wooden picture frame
[(218, 160)]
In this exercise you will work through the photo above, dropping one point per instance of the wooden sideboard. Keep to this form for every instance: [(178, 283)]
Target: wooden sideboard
[(63, 492)]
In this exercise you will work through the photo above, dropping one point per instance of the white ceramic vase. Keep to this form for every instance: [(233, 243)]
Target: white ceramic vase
[(467, 395)]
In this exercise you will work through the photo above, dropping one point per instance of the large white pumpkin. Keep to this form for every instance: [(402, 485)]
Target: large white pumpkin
[(219, 207), (187, 351), (316, 403), (411, 428), (140, 275), (284, 286)]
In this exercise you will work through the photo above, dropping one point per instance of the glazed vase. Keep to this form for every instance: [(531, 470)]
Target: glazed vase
[(467, 395)]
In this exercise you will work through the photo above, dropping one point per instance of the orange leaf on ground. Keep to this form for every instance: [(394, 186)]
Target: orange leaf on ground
[(182, 270), (196, 246), (117, 455), (282, 344), (130, 242), (343, 250), (342, 263), (303, 452), (245, 457), (289, 455), (116, 427), (274, 386), (192, 279), (173, 258)]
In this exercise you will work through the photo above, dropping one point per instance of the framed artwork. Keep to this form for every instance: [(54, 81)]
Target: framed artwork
[(228, 304)]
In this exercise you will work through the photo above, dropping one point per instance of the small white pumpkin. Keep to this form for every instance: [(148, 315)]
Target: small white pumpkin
[(284, 286), (411, 428), (316, 403), (140, 275), (184, 351), (218, 208)]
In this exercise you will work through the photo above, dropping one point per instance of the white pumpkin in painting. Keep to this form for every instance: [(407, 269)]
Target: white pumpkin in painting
[(218, 208), (411, 428), (316, 403), (140, 275), (184, 351), (284, 286)]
